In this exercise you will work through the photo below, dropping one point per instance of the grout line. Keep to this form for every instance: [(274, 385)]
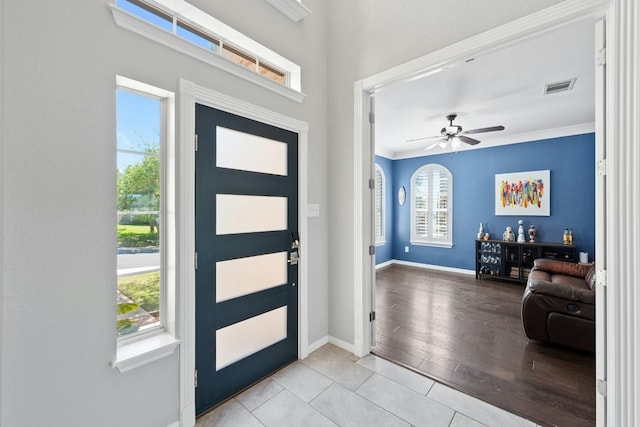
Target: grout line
[(320, 394), (268, 400), (433, 383)]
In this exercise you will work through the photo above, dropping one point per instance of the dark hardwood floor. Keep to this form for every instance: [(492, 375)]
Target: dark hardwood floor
[(467, 333)]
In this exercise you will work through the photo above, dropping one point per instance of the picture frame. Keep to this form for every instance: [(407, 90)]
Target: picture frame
[(523, 193)]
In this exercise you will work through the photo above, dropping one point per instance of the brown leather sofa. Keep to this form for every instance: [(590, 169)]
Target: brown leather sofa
[(558, 305)]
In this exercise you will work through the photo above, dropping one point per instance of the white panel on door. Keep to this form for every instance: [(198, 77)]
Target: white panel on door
[(243, 276), (250, 214), (242, 339), (244, 151)]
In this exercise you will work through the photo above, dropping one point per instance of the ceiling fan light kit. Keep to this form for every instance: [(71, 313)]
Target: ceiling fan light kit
[(455, 134)]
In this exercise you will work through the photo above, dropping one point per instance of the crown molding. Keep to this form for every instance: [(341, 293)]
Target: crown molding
[(503, 140)]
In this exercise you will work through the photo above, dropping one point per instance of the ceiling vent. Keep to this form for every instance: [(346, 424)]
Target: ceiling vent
[(550, 88)]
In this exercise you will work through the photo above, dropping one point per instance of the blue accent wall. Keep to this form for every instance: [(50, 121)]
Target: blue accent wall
[(384, 252), (571, 161)]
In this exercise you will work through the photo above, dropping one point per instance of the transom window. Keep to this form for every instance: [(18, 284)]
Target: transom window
[(379, 210), (431, 206), (199, 28)]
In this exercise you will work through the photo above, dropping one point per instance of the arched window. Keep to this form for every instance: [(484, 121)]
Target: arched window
[(432, 206), (380, 206)]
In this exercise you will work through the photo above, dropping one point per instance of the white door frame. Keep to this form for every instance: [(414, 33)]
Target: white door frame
[(190, 94), (601, 223), (540, 22)]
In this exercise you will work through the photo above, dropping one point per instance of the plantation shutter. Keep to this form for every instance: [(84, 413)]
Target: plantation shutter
[(421, 211), (431, 206), (440, 204), (379, 205)]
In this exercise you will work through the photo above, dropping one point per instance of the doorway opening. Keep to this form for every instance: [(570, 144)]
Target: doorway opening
[(597, 144)]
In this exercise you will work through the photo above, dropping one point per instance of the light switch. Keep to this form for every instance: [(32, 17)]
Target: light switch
[(313, 210)]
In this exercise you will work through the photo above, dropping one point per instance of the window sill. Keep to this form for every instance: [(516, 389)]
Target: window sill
[(434, 244), (145, 351), (381, 242)]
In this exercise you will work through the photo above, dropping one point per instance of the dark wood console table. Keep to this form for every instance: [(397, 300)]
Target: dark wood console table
[(513, 261)]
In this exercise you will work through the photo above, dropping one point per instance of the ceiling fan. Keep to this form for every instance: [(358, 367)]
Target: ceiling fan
[(455, 133)]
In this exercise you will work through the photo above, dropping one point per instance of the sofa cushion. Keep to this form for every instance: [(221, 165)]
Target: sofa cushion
[(574, 282), (590, 278), (565, 287), (561, 267)]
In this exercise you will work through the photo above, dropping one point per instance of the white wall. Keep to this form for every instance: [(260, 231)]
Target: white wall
[(366, 38), (58, 197)]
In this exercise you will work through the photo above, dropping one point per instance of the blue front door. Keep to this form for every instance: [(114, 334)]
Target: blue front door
[(246, 244)]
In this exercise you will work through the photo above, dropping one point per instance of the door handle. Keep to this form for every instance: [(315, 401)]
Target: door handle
[(295, 240), (293, 258)]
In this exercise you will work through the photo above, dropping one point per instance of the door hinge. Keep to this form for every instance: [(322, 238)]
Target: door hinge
[(195, 142), (195, 260), (602, 387), (602, 167), (372, 118), (195, 378), (372, 249), (601, 56), (601, 278), (372, 316), (372, 183)]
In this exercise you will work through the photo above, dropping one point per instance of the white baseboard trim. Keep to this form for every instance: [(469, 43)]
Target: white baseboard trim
[(174, 424), (319, 343), (342, 344), (328, 339), (384, 264), (434, 267)]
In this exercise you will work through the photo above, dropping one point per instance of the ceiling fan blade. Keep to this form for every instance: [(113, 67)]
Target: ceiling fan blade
[(424, 137), (429, 147), (468, 140), (480, 130)]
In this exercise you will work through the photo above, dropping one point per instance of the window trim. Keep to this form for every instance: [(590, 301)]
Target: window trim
[(430, 241), (294, 9), (199, 19), (147, 346), (381, 240)]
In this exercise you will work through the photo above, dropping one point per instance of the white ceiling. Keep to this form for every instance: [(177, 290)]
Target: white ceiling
[(504, 87)]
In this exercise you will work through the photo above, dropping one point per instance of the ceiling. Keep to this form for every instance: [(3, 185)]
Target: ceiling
[(503, 87)]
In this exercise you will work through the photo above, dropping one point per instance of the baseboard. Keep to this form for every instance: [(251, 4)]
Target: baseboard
[(174, 424), (319, 343), (384, 264), (342, 344), (434, 267), (328, 339)]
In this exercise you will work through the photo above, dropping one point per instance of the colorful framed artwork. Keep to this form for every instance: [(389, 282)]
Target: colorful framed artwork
[(523, 193)]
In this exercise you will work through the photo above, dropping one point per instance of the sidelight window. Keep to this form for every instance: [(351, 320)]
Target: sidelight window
[(145, 221)]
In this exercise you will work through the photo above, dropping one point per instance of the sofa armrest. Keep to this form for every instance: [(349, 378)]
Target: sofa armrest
[(553, 266), (558, 290)]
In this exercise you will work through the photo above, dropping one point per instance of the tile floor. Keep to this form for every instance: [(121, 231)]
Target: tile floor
[(333, 387)]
